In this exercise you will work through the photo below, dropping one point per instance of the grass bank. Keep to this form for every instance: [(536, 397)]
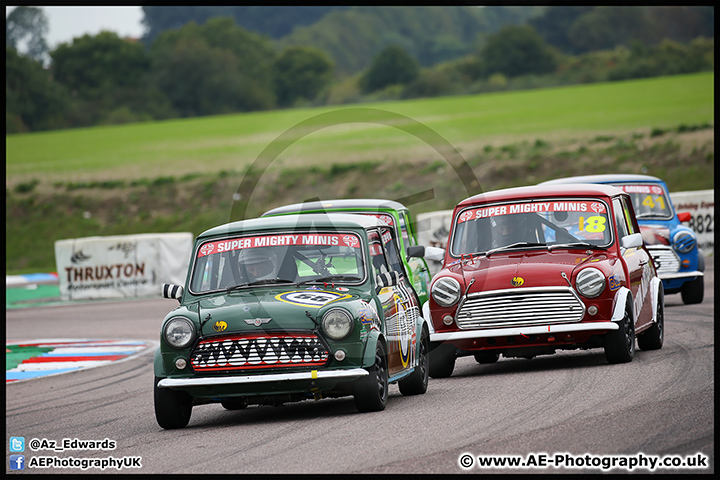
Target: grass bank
[(184, 175), (36, 218)]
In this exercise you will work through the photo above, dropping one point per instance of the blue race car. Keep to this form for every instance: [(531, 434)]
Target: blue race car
[(673, 246)]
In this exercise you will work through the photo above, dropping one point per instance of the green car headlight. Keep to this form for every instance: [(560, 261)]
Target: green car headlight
[(179, 332), (337, 323), (590, 282)]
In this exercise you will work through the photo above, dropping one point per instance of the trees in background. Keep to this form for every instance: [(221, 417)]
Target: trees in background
[(218, 66), (554, 26), (517, 50), (430, 34), (102, 72), (667, 58), (581, 29), (301, 73), (213, 68), (274, 21), (27, 25), (392, 66), (603, 28), (32, 100)]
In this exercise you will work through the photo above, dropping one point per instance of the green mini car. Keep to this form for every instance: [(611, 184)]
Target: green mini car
[(394, 214), (289, 308)]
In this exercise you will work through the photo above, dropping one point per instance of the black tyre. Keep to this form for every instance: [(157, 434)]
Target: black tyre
[(417, 382), (487, 357), (693, 291), (371, 392), (234, 403), (172, 408), (652, 338), (620, 343), (442, 360)]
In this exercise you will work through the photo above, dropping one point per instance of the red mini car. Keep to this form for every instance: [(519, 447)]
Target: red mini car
[(532, 270)]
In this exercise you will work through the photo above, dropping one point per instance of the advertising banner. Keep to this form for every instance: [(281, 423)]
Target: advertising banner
[(701, 205), (121, 266)]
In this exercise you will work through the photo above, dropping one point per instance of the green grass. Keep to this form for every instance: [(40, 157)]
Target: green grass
[(234, 141), (182, 175)]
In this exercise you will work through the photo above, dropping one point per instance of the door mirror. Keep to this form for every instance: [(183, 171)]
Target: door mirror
[(632, 241), (684, 216), (416, 251), (434, 253), (172, 291), (387, 279)]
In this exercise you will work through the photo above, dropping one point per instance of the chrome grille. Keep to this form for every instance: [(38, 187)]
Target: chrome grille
[(259, 351), (665, 258), (525, 306)]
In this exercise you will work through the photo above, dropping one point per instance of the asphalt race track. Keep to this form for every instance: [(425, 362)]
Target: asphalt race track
[(659, 405)]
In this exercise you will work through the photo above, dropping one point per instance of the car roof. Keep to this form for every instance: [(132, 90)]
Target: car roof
[(374, 204), (604, 178), (304, 221), (539, 191)]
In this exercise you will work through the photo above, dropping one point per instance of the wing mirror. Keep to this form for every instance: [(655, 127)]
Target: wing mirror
[(684, 216), (632, 241), (387, 279), (172, 291), (429, 253), (435, 253)]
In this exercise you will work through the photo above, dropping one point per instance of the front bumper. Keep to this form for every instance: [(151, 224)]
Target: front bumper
[(515, 331), (673, 276), (349, 374)]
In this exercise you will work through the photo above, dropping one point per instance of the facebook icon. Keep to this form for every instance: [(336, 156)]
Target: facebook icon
[(17, 462)]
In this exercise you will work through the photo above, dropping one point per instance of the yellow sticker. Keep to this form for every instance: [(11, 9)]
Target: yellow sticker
[(220, 326), (517, 281), (596, 223)]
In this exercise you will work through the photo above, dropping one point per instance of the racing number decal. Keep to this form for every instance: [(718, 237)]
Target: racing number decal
[(648, 202), (592, 224), (310, 298)]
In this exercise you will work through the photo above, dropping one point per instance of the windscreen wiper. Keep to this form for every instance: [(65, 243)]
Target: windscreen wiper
[(574, 245), (513, 246)]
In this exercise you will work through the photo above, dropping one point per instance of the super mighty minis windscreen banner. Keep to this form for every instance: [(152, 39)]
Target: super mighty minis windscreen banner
[(121, 266)]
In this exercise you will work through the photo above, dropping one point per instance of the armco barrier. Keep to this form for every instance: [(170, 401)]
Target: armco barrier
[(121, 266)]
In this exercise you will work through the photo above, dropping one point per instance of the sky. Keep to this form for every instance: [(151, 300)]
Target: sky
[(66, 23)]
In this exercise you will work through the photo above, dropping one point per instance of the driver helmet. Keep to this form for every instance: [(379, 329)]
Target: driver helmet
[(560, 216), (258, 264), (506, 225)]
